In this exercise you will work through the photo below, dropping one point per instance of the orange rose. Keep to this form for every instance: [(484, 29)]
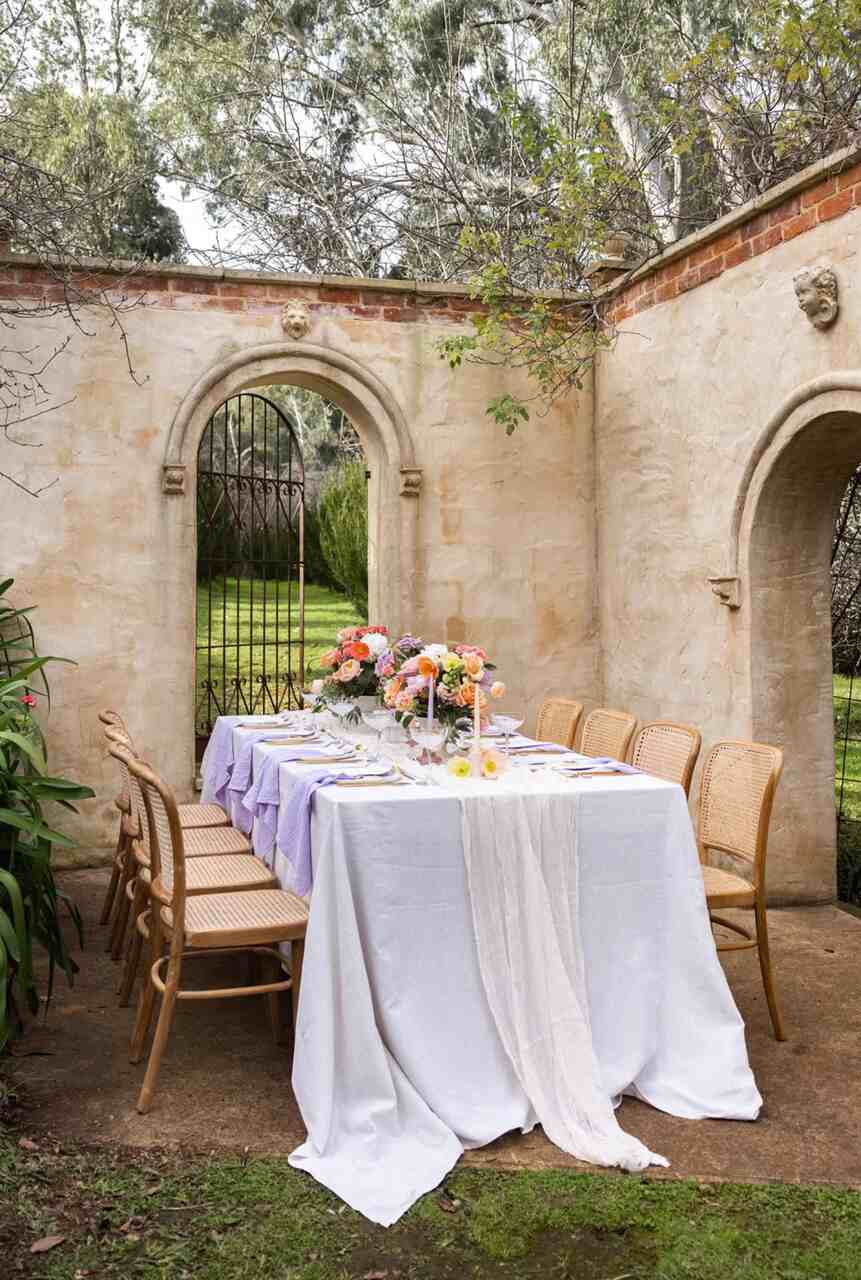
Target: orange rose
[(427, 667), (473, 666), (330, 659), (467, 693), (497, 689)]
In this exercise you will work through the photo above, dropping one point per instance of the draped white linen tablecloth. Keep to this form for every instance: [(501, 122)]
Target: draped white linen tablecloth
[(399, 1065)]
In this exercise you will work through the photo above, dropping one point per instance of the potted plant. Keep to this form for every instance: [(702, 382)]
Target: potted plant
[(30, 901)]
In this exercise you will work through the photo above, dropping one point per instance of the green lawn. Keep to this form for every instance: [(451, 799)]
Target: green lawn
[(164, 1216), (249, 610)]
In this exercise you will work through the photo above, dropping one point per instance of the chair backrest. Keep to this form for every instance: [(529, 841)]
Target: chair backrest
[(736, 796), (558, 719), (134, 816), (607, 733), (165, 841), (667, 750)]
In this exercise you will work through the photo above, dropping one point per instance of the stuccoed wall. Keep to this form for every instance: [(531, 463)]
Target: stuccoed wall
[(683, 400), (497, 548)]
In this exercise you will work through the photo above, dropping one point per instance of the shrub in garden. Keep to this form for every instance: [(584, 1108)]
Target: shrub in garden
[(343, 513), (30, 901)]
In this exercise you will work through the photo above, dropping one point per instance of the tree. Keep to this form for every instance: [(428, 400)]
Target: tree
[(77, 181)]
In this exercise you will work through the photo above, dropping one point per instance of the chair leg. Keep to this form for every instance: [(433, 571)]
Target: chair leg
[(111, 890), (273, 1001), (297, 955), (146, 1000), (121, 923), (765, 966), (133, 950), (162, 1032)]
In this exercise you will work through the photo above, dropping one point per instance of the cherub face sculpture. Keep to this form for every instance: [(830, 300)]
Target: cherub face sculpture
[(295, 320), (816, 291)]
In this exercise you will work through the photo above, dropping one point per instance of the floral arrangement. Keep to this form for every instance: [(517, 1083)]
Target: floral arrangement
[(352, 665), (438, 680)]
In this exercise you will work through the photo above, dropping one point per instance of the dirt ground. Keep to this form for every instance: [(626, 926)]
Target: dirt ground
[(226, 1086)]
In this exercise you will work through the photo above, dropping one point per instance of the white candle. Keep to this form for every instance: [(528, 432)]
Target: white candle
[(477, 719), (430, 698)]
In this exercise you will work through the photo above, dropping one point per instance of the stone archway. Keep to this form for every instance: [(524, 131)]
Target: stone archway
[(376, 415), (781, 555), (395, 481)]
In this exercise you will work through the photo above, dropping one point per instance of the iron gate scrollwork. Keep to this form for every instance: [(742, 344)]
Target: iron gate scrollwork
[(250, 566)]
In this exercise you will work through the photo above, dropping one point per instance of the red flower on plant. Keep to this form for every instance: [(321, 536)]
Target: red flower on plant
[(28, 700)]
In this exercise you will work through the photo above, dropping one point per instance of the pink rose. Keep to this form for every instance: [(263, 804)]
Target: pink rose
[(410, 667), (404, 701), (348, 671)]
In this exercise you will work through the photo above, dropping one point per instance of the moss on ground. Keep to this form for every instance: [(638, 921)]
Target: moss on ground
[(171, 1217)]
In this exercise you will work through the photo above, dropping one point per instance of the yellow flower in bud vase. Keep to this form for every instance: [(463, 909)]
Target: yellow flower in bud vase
[(459, 767)]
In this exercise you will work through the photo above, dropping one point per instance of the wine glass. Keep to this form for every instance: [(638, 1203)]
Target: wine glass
[(427, 734), (508, 725), (379, 719)]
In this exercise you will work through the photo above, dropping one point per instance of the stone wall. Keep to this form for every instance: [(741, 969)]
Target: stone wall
[(728, 426), (473, 535), (713, 445)]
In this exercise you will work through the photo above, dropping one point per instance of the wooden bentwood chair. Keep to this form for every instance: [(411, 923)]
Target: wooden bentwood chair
[(607, 733), (224, 864), (736, 796), (208, 924), (667, 750), (558, 719)]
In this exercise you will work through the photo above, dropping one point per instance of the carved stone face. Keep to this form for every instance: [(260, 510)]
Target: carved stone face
[(816, 291), (295, 320)]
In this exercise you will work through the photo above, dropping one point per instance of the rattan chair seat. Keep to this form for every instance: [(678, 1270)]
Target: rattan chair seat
[(242, 919), (725, 889), (221, 874), (206, 841), (202, 815)]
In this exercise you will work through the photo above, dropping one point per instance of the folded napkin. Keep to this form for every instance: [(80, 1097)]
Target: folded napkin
[(293, 833), (600, 762), (526, 747)]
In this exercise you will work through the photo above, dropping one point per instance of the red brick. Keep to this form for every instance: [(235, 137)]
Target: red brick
[(849, 178), (400, 313), (784, 211), (8, 276), (242, 289), (643, 303), (458, 303), (141, 284), (802, 223), (217, 304), (767, 240), (740, 253), (437, 313), (365, 313), (666, 292), (339, 295), (380, 298), (819, 192), (727, 241), (12, 291), (755, 227), (711, 269), (699, 256), (834, 206), (54, 293), (292, 293), (188, 284), (688, 281)]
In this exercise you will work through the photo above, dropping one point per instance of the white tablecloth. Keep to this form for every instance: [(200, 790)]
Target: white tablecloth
[(398, 1064)]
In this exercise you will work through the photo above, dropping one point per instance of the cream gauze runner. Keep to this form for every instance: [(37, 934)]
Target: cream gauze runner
[(521, 861)]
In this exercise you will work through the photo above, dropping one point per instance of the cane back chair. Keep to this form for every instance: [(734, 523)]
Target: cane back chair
[(607, 733), (207, 924), (736, 797), (667, 750), (558, 719)]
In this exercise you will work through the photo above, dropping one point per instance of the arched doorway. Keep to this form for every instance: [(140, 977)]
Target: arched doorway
[(394, 587), (250, 633), (786, 516)]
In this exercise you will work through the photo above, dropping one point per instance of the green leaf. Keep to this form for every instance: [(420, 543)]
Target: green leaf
[(8, 937), (27, 746)]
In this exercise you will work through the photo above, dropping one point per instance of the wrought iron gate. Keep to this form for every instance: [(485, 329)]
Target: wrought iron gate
[(250, 569)]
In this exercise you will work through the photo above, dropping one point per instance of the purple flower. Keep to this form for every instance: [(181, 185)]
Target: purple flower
[(385, 664), (410, 644)]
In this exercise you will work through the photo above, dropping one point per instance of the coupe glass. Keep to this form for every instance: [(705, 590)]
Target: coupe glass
[(508, 725), (379, 719), (427, 734)]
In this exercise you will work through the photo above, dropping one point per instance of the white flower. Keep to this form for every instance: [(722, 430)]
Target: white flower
[(436, 652), (376, 643)]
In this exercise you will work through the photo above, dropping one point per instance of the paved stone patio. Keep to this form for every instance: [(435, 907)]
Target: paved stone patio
[(225, 1085)]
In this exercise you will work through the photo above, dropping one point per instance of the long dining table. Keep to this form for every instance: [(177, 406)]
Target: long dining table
[(484, 955)]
